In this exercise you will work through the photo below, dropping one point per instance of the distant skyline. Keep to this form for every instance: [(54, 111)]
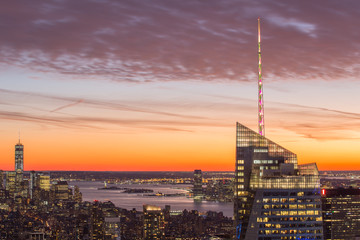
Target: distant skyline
[(159, 85)]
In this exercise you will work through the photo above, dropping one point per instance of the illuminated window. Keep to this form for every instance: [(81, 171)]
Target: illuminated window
[(301, 212), (310, 212), (292, 212)]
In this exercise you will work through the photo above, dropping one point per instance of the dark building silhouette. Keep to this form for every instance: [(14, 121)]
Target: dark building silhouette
[(197, 189)]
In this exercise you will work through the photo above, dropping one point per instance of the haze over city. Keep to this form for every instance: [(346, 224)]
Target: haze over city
[(158, 85)]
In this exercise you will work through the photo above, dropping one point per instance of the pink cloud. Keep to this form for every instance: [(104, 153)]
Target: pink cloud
[(139, 41)]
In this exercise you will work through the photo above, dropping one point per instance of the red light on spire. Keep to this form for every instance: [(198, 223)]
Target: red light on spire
[(323, 192)]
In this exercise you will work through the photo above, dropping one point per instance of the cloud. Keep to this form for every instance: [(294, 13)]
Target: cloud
[(101, 123), (317, 123), (301, 26), (323, 124), (93, 103), (139, 41), (67, 106), (107, 117)]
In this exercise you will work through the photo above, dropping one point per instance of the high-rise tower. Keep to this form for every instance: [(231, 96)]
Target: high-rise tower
[(154, 223), (19, 166), (19, 157), (261, 122), (197, 189), (275, 198)]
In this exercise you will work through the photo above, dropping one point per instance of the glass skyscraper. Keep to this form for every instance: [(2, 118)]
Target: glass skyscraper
[(19, 157), (275, 198), (197, 189)]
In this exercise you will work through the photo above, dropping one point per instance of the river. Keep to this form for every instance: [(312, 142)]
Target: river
[(129, 201)]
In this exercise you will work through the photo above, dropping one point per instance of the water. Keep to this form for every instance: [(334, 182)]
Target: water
[(129, 201)]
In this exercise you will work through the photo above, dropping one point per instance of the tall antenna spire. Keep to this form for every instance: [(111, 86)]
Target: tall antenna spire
[(260, 88), (19, 136)]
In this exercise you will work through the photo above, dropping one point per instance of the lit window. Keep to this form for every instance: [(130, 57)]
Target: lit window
[(240, 173)]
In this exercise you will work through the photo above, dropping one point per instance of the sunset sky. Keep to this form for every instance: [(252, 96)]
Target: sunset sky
[(159, 85)]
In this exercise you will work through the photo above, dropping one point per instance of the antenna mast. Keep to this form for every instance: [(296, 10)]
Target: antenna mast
[(260, 88)]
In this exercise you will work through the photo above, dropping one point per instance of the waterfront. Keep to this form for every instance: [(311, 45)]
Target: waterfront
[(129, 201)]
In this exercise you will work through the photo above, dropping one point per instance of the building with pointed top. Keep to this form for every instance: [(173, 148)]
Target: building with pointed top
[(275, 198), (19, 157)]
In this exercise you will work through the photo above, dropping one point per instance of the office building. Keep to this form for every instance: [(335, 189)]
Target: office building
[(77, 194), (154, 222), (341, 213), (1, 179), (274, 197), (10, 183), (112, 228), (43, 181), (19, 157), (197, 189), (32, 183), (19, 169), (97, 220), (61, 191)]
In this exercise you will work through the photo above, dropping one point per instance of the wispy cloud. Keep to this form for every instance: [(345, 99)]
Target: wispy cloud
[(67, 106), (93, 103), (136, 117), (318, 123)]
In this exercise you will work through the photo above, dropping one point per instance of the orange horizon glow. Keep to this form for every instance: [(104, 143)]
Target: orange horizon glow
[(167, 152)]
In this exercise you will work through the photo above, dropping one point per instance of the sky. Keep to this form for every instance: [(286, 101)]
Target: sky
[(137, 85)]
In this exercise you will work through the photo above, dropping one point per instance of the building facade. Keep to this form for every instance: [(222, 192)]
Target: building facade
[(198, 189), (154, 222), (341, 213), (19, 157), (274, 197)]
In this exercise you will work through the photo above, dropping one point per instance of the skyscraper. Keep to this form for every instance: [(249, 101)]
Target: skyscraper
[(19, 157), (10, 183), (275, 198), (197, 189), (19, 166), (154, 222), (1, 179)]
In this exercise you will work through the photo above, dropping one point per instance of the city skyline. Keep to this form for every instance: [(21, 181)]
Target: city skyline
[(160, 86)]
